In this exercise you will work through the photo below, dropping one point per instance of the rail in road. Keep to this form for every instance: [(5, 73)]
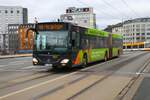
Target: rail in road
[(105, 80)]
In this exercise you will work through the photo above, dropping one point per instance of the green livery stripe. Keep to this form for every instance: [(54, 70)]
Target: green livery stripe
[(97, 54), (81, 55), (96, 32), (114, 52), (93, 54), (118, 36)]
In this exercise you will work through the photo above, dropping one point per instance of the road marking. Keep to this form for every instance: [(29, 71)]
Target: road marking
[(50, 81), (34, 67), (16, 70), (23, 79), (75, 88), (144, 67), (37, 85), (18, 62), (12, 63), (29, 67), (46, 82), (2, 66)]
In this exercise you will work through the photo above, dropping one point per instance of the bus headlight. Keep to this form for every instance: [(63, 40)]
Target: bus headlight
[(35, 60), (64, 61)]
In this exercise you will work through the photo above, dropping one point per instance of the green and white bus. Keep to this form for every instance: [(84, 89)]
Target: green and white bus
[(61, 44)]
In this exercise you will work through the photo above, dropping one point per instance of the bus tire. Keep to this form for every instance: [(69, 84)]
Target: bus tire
[(106, 56), (85, 61)]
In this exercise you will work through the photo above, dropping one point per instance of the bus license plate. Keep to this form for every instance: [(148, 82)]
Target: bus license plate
[(48, 65)]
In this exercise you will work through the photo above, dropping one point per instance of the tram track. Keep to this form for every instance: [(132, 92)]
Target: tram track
[(11, 83), (132, 82), (86, 72), (119, 65), (24, 79), (109, 72)]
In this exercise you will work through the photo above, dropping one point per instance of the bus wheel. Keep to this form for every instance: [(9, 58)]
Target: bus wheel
[(85, 61), (105, 58)]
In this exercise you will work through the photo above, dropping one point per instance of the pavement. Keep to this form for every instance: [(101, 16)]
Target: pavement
[(20, 80)]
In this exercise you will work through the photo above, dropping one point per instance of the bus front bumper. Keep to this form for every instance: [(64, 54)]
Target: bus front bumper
[(58, 64)]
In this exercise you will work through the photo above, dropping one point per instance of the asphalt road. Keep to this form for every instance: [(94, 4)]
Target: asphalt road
[(20, 80)]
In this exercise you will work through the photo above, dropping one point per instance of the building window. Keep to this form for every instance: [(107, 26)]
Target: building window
[(85, 21), (137, 33), (143, 33), (11, 11), (148, 29), (148, 33), (18, 11), (137, 29), (6, 11), (148, 25), (138, 38), (137, 25)]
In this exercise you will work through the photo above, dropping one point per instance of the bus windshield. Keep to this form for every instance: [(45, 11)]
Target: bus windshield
[(51, 41)]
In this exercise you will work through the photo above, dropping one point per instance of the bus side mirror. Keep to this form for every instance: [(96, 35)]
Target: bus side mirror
[(73, 43)]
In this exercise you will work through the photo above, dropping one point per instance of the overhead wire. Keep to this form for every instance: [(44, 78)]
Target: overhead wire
[(98, 12), (134, 12), (115, 9)]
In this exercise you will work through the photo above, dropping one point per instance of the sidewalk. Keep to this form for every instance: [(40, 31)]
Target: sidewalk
[(15, 56)]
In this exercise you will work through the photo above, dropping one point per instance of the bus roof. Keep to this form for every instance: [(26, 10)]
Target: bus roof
[(118, 36), (89, 31), (96, 32)]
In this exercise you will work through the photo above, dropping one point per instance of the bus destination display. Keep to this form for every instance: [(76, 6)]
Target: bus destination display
[(51, 27)]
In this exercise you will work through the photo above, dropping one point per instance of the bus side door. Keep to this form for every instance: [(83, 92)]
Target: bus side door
[(75, 42)]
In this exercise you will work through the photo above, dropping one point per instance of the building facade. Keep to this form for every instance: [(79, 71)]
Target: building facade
[(17, 38), (133, 31), (25, 42), (81, 16), (10, 15), (13, 38)]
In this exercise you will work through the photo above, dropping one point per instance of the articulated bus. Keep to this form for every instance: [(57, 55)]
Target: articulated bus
[(61, 44)]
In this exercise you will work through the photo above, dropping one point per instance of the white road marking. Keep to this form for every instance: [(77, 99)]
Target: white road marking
[(2, 66), (34, 67), (18, 62), (143, 69), (29, 67), (13, 63), (16, 70), (37, 85), (50, 81)]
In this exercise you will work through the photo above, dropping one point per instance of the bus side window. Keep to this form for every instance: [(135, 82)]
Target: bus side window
[(75, 39), (87, 43)]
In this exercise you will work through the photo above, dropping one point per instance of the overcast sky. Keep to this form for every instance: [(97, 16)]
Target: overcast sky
[(107, 11)]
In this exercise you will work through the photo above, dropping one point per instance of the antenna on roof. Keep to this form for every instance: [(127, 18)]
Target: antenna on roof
[(58, 20), (35, 20)]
